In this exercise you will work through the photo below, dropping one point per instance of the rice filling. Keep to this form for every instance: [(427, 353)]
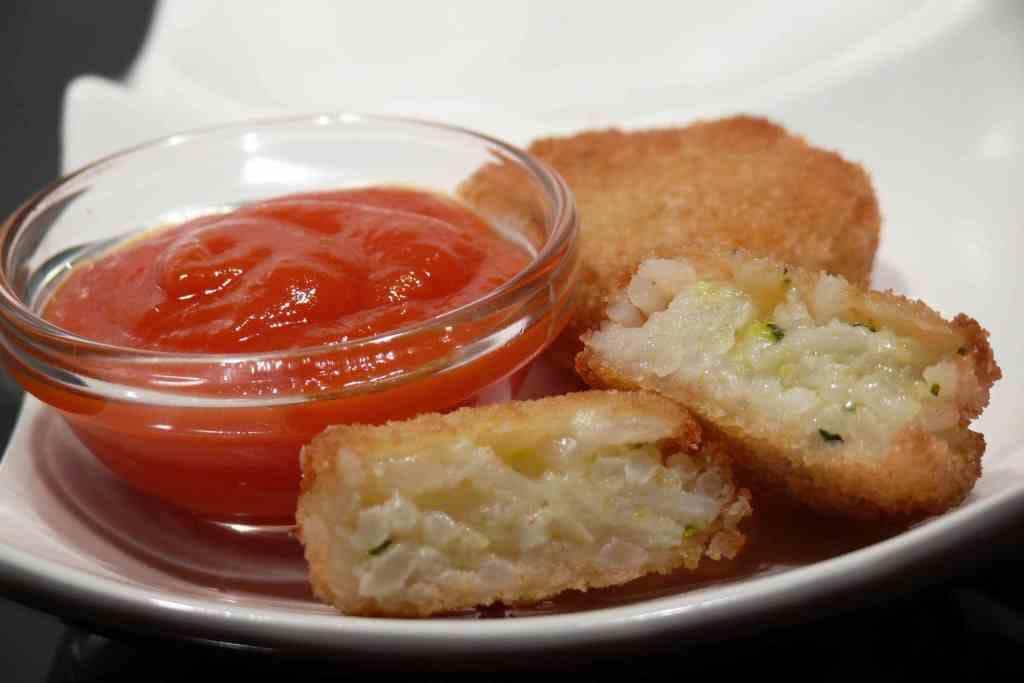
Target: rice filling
[(460, 511), (811, 362)]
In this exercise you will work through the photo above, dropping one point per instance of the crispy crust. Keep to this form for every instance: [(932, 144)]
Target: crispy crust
[(550, 570), (920, 474), (741, 181)]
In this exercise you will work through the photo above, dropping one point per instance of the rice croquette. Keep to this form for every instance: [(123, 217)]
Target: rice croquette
[(854, 401)]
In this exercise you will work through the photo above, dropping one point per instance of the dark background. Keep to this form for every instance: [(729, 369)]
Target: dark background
[(963, 615)]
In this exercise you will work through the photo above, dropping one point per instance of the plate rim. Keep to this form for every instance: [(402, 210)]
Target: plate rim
[(57, 588)]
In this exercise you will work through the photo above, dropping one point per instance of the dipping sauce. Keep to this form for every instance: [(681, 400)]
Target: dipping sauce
[(291, 273), (300, 271)]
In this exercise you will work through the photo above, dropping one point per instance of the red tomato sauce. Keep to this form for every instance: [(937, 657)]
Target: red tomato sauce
[(291, 273), (299, 271)]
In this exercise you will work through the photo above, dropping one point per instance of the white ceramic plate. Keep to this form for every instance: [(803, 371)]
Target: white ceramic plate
[(926, 95)]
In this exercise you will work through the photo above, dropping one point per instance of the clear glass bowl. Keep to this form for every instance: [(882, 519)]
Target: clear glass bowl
[(175, 425)]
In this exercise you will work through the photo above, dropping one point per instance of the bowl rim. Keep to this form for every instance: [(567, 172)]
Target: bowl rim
[(559, 242)]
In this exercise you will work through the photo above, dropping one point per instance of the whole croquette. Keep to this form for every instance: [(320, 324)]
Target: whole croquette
[(513, 502), (741, 181), (852, 400)]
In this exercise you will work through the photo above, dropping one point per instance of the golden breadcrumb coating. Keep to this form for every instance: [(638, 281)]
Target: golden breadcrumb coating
[(854, 401), (742, 181), (514, 502)]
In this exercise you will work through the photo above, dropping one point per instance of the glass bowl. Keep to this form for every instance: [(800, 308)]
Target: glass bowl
[(175, 425)]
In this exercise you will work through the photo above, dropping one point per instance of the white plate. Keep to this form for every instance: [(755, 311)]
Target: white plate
[(76, 541), (929, 100)]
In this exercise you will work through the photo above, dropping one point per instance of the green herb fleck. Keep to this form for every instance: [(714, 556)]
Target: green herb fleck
[(870, 326), (935, 390), (962, 351), (690, 530), (830, 436), (378, 549), (769, 332)]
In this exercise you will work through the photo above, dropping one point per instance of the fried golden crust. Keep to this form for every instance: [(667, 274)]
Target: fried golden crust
[(921, 473), (741, 181), (549, 571)]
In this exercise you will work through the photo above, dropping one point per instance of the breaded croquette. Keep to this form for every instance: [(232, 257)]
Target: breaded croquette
[(856, 401), (513, 502), (742, 181)]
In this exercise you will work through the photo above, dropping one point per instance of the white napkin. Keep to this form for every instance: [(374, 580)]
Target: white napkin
[(514, 70)]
